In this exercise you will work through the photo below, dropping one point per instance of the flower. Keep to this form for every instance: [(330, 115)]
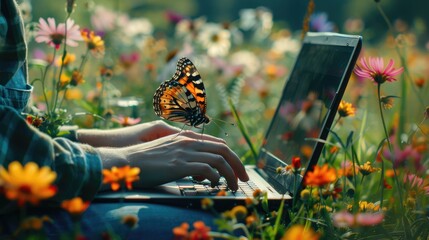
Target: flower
[(345, 219), (201, 231), (55, 35), (75, 206), (320, 176), (240, 212), (206, 203), (116, 176), (259, 20), (367, 168), (299, 232), (305, 194), (319, 23), (346, 169), (93, 42), (127, 121), (181, 232), (76, 78), (33, 223), (365, 206), (387, 102), (215, 39), (130, 221), (296, 163), (69, 58), (374, 70), (27, 183), (346, 109), (128, 60)]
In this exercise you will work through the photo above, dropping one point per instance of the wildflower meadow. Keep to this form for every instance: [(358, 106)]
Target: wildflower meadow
[(96, 64)]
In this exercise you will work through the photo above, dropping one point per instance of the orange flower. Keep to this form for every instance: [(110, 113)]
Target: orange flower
[(27, 183), (130, 221), (33, 223), (75, 206), (201, 231), (320, 176), (116, 176), (181, 232), (299, 232)]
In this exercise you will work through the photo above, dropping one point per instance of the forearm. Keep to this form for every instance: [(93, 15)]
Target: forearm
[(118, 137)]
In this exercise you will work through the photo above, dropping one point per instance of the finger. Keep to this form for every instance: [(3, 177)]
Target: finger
[(227, 154), (202, 169), (218, 162)]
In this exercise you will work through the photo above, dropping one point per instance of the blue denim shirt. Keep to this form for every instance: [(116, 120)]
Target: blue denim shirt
[(78, 166)]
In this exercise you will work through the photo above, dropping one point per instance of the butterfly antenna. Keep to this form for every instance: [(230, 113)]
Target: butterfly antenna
[(223, 129), (202, 132), (179, 132)]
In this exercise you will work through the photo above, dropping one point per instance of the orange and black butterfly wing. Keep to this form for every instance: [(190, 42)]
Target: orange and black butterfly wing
[(182, 98), (171, 103), (188, 75)]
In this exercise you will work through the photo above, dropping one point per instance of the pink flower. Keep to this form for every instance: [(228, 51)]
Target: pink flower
[(346, 219), (55, 35), (374, 69)]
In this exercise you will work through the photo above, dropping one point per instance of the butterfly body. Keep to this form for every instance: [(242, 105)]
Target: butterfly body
[(183, 97)]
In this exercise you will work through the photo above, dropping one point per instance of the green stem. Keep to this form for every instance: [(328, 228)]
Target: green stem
[(402, 115), (382, 184), (45, 72), (382, 117), (58, 83)]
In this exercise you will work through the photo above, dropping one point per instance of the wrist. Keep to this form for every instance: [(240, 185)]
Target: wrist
[(112, 157)]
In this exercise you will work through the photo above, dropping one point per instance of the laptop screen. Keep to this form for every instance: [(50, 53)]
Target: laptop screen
[(303, 109)]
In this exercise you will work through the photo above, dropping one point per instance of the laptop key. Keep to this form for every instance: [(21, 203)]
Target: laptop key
[(189, 192)]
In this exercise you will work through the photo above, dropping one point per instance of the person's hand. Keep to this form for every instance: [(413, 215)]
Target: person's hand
[(173, 157), (126, 136)]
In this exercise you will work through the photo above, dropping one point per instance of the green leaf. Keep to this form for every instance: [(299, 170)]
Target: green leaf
[(243, 129)]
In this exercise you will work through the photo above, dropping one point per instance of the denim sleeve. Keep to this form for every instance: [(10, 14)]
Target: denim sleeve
[(78, 166)]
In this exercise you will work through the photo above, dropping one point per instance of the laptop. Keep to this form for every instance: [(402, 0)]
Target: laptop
[(305, 112)]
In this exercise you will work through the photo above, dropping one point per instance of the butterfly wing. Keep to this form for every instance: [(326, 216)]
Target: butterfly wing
[(188, 76), (182, 98)]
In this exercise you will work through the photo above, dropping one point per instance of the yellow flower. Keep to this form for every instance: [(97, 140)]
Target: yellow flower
[(305, 194), (320, 176), (367, 169), (93, 41), (346, 109), (387, 102), (206, 203), (75, 206), (64, 80), (239, 212), (69, 58), (298, 232), (27, 183), (116, 176), (74, 94)]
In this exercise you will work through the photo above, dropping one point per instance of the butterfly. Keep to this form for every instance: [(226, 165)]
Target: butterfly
[(183, 97)]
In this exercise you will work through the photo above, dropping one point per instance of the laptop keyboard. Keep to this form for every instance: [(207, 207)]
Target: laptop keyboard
[(190, 187)]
